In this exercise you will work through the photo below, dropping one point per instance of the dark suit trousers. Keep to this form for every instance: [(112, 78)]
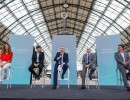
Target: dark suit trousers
[(65, 67), (84, 70), (123, 72), (32, 67)]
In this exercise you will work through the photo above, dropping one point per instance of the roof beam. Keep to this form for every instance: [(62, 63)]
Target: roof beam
[(91, 8)]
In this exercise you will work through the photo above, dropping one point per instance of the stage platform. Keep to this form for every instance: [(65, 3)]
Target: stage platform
[(24, 92)]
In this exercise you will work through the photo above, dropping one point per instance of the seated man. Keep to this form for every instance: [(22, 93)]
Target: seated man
[(88, 61), (37, 62), (61, 59), (123, 63)]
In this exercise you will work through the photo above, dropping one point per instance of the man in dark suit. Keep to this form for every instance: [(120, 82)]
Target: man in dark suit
[(123, 63), (37, 62), (61, 59), (88, 61)]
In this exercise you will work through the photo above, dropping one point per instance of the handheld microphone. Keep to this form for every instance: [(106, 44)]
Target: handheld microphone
[(60, 54)]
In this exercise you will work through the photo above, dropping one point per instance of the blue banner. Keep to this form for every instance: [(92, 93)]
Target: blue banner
[(69, 43), (22, 47), (106, 47)]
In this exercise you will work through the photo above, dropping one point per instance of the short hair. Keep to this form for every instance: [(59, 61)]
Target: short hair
[(62, 47), (38, 46), (121, 45), (88, 48)]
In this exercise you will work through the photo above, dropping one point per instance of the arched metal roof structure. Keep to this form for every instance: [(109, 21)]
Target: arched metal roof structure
[(86, 19)]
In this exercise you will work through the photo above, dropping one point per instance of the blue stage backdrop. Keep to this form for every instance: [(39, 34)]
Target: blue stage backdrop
[(106, 47), (22, 47), (69, 42)]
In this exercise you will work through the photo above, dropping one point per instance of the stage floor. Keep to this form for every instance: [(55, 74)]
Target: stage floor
[(24, 92)]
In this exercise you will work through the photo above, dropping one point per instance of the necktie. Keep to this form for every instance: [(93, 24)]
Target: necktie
[(61, 58), (88, 58)]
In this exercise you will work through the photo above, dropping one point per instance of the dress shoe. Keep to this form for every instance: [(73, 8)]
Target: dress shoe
[(128, 89), (53, 88), (83, 87)]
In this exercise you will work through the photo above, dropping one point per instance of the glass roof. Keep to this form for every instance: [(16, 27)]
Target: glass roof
[(86, 19), (107, 17), (23, 17)]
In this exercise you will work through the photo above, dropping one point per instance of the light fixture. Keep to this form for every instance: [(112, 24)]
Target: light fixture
[(63, 15), (65, 5)]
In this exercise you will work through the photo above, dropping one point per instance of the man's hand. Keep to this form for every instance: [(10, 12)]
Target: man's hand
[(125, 64), (61, 65), (36, 65), (59, 57), (87, 66), (3, 64)]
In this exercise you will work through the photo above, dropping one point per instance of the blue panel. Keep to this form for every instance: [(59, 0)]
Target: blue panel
[(106, 47), (69, 42), (22, 47)]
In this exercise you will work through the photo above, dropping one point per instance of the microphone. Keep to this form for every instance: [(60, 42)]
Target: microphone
[(60, 54)]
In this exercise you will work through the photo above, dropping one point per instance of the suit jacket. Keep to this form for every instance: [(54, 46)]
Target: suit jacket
[(41, 58), (119, 59), (65, 58), (92, 60)]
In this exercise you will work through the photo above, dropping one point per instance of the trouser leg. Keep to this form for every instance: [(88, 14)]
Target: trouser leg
[(123, 72), (92, 70), (84, 70), (55, 77), (0, 73), (65, 67), (5, 67), (31, 67), (40, 69)]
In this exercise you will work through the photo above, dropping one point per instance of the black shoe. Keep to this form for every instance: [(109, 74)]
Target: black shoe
[(53, 88), (62, 76), (83, 87), (128, 89)]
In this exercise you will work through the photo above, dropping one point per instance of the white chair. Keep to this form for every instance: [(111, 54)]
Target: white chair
[(59, 77), (43, 78), (9, 76), (119, 79), (95, 80)]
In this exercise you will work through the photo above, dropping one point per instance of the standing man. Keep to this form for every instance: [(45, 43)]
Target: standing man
[(37, 62), (61, 59), (88, 61), (123, 63)]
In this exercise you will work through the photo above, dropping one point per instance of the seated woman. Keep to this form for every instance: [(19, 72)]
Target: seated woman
[(6, 59)]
